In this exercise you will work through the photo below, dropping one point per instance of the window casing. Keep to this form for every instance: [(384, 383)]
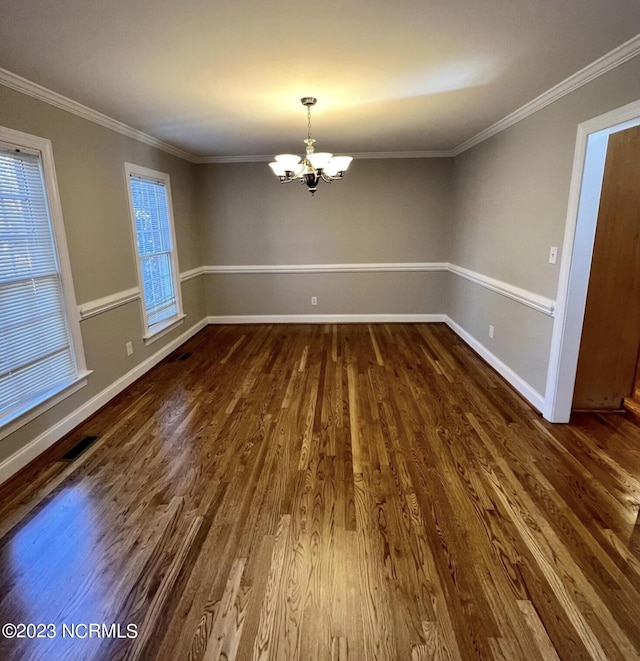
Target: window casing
[(156, 257), (41, 354)]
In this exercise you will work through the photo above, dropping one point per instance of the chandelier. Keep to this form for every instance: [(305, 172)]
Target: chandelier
[(314, 166)]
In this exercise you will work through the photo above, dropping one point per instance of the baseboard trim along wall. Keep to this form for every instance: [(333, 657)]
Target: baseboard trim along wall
[(89, 309), (327, 319), (522, 296), (520, 385), (29, 452)]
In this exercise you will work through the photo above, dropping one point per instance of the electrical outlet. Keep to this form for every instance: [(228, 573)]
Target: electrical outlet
[(491, 331), (314, 300), (129, 346), (553, 255)]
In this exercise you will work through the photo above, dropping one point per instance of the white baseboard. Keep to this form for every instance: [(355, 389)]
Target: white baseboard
[(326, 318), (529, 393), (522, 296), (29, 452)]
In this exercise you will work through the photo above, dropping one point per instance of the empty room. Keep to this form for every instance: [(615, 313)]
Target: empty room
[(319, 330)]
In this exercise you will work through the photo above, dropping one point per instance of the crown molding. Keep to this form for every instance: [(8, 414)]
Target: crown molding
[(444, 153), (251, 158), (626, 51), (41, 93), (616, 57), (611, 60), (434, 153)]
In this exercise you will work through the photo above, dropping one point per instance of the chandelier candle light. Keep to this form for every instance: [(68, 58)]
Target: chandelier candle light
[(314, 166)]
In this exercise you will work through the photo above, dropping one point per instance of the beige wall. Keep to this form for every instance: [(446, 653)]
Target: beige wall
[(522, 335), (510, 204), (512, 190), (89, 161), (496, 209), (337, 293), (393, 210), (385, 211)]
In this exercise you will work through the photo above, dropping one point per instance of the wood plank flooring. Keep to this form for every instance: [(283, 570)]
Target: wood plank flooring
[(317, 492), (632, 403)]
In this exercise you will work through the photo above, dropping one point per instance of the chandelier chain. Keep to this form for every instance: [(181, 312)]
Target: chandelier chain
[(314, 166)]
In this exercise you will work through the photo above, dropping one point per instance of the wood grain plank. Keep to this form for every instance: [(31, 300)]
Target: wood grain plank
[(330, 492), (546, 647), (263, 639), (229, 618)]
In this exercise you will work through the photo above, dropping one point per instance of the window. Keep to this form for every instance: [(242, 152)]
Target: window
[(151, 214), (41, 356)]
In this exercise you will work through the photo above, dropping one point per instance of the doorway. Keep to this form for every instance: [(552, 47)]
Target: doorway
[(582, 216), (632, 403), (608, 357)]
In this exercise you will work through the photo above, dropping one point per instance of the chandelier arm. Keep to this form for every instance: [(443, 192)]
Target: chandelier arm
[(305, 172)]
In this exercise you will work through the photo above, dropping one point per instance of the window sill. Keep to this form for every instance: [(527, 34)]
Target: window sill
[(29, 412), (160, 330)]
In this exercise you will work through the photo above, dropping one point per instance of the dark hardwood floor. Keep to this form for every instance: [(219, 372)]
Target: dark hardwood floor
[(632, 403), (327, 492)]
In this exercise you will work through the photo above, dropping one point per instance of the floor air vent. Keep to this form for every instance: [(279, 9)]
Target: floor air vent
[(79, 448), (185, 356)]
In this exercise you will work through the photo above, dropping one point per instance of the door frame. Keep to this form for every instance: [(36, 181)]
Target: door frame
[(575, 264)]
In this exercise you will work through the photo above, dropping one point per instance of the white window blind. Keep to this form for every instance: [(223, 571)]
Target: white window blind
[(154, 238), (36, 353)]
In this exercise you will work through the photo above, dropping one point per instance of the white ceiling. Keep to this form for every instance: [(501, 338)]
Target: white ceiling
[(224, 77)]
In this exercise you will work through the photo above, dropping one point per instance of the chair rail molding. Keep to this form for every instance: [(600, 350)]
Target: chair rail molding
[(528, 298), (112, 301), (523, 296), (106, 303), (580, 227)]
